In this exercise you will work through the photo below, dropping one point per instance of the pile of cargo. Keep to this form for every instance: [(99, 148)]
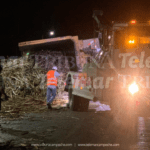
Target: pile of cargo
[(22, 78)]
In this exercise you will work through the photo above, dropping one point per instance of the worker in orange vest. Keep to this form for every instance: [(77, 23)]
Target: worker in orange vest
[(52, 76)]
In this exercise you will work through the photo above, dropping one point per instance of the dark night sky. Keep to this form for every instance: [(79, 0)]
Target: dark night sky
[(25, 21)]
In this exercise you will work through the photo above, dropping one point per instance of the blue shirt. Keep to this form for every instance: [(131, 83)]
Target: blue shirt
[(56, 74)]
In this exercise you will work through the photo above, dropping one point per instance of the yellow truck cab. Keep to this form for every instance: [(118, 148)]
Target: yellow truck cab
[(119, 75)]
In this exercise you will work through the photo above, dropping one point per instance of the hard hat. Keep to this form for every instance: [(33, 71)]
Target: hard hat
[(55, 68)]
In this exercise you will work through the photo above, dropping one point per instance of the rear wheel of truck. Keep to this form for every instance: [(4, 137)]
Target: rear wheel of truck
[(84, 104), (73, 101)]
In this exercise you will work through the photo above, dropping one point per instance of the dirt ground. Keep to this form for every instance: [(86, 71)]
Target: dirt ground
[(18, 106), (63, 129)]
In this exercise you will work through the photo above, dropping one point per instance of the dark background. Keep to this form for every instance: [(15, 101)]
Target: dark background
[(25, 21)]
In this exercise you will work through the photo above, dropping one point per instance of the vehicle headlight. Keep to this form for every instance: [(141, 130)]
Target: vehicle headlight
[(133, 88)]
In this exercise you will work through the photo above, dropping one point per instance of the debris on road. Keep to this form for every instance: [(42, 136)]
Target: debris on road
[(98, 106), (75, 118), (23, 144), (25, 132), (16, 107)]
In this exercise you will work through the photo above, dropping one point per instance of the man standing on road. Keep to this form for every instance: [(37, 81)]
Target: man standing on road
[(52, 76)]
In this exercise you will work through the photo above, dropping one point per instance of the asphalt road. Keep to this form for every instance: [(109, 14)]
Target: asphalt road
[(64, 129)]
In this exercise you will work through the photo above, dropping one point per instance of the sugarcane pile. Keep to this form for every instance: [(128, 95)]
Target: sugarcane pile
[(23, 77)]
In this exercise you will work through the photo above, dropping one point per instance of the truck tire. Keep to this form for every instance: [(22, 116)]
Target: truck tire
[(73, 101), (84, 104)]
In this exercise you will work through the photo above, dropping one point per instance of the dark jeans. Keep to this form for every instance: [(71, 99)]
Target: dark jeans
[(51, 93)]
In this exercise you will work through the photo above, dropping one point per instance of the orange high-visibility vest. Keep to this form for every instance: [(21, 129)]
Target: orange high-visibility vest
[(51, 79)]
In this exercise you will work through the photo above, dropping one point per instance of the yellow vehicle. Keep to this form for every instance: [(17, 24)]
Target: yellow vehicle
[(118, 75)]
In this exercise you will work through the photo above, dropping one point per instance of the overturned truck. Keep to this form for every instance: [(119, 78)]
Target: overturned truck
[(63, 52), (26, 75)]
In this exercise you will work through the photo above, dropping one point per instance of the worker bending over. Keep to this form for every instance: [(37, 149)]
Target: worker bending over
[(52, 76)]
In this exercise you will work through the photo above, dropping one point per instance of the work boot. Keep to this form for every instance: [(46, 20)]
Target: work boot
[(49, 106)]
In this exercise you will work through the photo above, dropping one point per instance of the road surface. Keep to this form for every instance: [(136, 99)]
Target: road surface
[(64, 129)]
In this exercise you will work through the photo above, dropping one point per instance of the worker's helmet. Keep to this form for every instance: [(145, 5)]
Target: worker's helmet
[(55, 68)]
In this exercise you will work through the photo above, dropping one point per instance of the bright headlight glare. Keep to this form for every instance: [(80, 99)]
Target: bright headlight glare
[(131, 41), (133, 88)]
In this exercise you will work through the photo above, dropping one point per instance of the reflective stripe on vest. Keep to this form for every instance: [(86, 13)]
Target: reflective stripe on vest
[(51, 79)]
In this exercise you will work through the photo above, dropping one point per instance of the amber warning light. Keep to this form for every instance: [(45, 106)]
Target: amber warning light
[(131, 41), (133, 22)]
